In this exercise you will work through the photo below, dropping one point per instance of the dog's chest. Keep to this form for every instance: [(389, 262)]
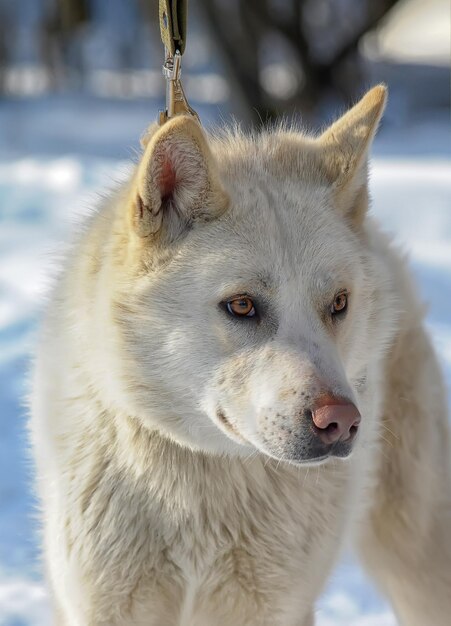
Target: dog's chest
[(257, 539), (203, 540)]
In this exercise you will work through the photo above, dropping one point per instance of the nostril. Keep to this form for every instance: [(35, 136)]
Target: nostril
[(331, 428), (335, 422), (328, 434)]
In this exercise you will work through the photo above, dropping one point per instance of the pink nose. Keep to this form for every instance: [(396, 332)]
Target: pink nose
[(335, 419)]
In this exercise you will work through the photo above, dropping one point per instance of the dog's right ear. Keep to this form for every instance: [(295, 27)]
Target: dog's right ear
[(344, 150), (176, 183)]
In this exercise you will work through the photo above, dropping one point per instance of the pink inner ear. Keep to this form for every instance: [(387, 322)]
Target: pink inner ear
[(167, 179)]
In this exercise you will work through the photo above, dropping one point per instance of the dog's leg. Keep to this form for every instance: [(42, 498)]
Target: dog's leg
[(100, 573), (406, 541)]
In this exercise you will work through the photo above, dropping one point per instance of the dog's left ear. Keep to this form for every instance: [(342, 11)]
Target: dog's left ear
[(176, 182), (344, 151)]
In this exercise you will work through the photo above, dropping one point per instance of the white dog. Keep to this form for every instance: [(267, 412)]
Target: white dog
[(233, 375)]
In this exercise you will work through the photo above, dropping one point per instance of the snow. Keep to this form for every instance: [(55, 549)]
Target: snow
[(23, 602), (42, 197)]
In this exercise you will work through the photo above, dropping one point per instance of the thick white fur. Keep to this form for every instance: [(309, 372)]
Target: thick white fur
[(159, 511)]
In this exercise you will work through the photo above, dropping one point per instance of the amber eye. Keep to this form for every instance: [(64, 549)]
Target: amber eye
[(340, 303), (241, 306)]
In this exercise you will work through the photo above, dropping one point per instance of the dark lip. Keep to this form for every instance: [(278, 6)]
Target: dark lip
[(315, 460), (222, 418), (338, 450), (297, 461)]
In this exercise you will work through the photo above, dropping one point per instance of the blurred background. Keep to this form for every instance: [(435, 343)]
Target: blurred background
[(80, 80)]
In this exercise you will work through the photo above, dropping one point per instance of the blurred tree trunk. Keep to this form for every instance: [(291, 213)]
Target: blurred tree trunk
[(240, 55), (60, 27)]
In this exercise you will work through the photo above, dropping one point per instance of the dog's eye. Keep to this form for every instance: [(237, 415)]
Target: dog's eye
[(340, 303), (241, 306)]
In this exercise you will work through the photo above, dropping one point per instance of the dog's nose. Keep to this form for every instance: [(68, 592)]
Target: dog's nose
[(335, 419)]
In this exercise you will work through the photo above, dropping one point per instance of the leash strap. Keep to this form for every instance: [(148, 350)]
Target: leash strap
[(173, 25), (173, 15)]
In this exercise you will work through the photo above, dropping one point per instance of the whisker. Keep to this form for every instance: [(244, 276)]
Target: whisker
[(387, 441), (390, 431)]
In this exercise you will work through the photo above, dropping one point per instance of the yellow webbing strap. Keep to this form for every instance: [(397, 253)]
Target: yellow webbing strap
[(173, 25)]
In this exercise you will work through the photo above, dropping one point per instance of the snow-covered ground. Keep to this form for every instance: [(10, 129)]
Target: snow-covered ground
[(41, 197)]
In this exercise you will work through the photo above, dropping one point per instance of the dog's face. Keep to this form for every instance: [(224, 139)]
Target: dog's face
[(251, 311)]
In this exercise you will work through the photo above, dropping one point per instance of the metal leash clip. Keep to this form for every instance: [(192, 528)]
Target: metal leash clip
[(176, 101)]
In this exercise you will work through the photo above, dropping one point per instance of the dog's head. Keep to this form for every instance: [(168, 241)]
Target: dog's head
[(250, 308)]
